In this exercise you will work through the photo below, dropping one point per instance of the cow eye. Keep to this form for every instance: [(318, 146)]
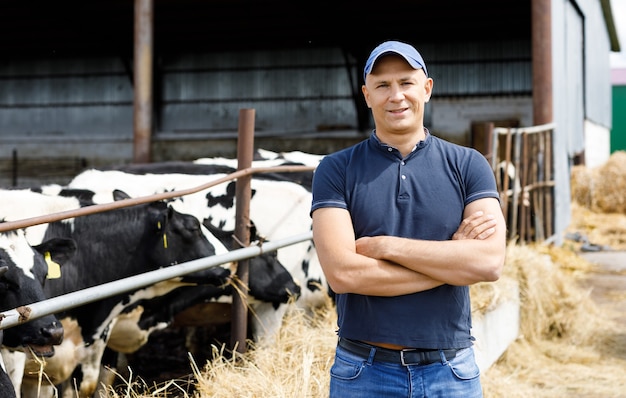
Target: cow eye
[(192, 225)]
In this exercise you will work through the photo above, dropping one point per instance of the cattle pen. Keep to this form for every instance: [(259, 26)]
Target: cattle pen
[(33, 311)]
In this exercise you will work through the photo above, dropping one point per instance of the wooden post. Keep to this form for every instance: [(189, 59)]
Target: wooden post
[(243, 192), (541, 36), (142, 78)]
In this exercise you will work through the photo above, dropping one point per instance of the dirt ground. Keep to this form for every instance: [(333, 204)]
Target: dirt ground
[(608, 282)]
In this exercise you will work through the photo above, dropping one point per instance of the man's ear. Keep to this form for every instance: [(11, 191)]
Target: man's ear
[(428, 88), (366, 95)]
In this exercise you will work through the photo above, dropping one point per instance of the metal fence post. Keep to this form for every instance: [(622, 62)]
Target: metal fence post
[(245, 149)]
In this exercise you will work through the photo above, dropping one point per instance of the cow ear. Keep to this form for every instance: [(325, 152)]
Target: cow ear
[(160, 212), (61, 250), (118, 194)]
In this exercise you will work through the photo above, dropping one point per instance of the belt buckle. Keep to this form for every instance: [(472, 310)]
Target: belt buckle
[(403, 361)]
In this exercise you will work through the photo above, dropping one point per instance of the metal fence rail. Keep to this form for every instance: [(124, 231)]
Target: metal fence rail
[(54, 305)]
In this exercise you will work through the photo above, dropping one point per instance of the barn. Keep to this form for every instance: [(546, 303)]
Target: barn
[(109, 82), (86, 84)]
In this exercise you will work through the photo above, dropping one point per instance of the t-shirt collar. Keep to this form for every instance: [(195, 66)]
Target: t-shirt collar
[(386, 147)]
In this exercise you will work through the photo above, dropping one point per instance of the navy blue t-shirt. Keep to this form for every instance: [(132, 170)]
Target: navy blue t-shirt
[(421, 196)]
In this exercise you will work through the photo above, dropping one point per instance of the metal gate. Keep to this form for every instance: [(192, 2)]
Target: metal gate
[(522, 160)]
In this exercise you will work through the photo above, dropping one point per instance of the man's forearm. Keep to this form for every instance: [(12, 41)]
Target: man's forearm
[(457, 262), (377, 277)]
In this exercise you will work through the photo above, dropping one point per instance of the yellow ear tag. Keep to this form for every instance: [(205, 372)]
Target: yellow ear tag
[(54, 269), (165, 241)]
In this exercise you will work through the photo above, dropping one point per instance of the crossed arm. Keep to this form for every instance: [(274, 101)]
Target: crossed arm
[(391, 266)]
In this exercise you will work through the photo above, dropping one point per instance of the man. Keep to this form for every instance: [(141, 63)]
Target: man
[(403, 223)]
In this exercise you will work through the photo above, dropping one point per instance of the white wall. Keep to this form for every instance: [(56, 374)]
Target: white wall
[(597, 144)]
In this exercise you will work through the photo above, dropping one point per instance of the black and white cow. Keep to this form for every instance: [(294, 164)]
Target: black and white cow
[(279, 208), (110, 245), (24, 269), (269, 282)]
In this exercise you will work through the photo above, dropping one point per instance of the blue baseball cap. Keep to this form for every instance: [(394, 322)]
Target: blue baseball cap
[(407, 51)]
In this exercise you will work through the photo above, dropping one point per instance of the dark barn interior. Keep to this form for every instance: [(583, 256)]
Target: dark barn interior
[(63, 28)]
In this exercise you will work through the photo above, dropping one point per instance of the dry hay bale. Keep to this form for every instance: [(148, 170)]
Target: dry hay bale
[(552, 305), (609, 185), (567, 260), (599, 203), (581, 183), (562, 334), (605, 229)]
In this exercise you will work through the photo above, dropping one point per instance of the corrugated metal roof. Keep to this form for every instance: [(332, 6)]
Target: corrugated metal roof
[(497, 67)]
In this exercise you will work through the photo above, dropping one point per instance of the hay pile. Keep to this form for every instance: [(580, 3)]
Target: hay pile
[(601, 189), (295, 364), (599, 203), (562, 336)]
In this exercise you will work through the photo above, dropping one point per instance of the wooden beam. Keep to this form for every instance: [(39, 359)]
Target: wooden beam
[(142, 77), (541, 33)]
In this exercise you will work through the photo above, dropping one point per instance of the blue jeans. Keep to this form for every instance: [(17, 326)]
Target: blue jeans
[(354, 376)]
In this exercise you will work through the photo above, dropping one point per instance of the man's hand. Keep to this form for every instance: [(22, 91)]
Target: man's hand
[(371, 246), (476, 226)]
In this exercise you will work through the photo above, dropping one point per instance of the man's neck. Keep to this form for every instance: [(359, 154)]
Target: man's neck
[(405, 143)]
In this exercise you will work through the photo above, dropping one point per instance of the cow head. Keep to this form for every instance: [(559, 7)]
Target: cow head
[(269, 280), (176, 238), (25, 269)]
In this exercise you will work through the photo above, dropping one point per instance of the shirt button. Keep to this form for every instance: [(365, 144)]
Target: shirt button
[(402, 163), (403, 177), (390, 149)]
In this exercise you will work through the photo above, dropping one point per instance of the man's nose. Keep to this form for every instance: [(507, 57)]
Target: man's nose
[(396, 93)]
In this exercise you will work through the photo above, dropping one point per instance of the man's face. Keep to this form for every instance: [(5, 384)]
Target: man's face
[(396, 94)]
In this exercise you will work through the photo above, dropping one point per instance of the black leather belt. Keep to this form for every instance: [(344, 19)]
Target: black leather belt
[(405, 357)]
